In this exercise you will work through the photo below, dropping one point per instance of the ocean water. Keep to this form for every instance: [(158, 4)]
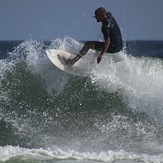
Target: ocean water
[(112, 113)]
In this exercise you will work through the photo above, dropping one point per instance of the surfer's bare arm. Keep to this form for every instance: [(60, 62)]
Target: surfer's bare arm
[(107, 43)]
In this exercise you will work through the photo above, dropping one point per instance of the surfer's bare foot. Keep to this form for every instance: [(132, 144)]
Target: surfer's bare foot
[(69, 62)]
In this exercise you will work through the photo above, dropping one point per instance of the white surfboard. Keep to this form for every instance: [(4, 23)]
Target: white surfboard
[(56, 57)]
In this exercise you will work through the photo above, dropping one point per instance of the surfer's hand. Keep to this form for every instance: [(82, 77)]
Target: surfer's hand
[(99, 58)]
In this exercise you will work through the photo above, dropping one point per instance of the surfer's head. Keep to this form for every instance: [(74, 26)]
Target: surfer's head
[(100, 14)]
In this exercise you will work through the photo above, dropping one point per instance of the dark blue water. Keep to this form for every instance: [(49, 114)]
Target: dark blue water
[(112, 113)]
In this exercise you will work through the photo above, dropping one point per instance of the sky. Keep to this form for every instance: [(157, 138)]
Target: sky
[(51, 19)]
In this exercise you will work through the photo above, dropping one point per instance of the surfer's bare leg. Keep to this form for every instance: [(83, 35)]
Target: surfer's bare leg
[(88, 45)]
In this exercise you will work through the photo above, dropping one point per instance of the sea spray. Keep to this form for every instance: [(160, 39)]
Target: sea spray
[(115, 107)]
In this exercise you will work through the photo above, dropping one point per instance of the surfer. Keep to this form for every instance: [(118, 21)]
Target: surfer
[(111, 33)]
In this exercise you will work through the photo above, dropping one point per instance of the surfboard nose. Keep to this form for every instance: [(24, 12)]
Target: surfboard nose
[(48, 51)]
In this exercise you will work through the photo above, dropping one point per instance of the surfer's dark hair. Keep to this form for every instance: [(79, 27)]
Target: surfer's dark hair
[(100, 11)]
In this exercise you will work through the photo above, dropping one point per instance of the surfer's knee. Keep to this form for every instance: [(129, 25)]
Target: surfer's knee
[(85, 49), (89, 45)]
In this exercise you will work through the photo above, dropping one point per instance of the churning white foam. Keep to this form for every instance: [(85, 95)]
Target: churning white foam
[(139, 79), (9, 152)]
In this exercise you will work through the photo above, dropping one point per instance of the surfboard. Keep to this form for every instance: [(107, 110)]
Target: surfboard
[(56, 57)]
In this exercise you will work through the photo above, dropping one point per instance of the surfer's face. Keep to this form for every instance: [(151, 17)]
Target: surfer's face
[(98, 17), (100, 14)]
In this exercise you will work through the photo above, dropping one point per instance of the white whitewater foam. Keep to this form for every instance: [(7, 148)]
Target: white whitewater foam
[(139, 79), (9, 152)]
